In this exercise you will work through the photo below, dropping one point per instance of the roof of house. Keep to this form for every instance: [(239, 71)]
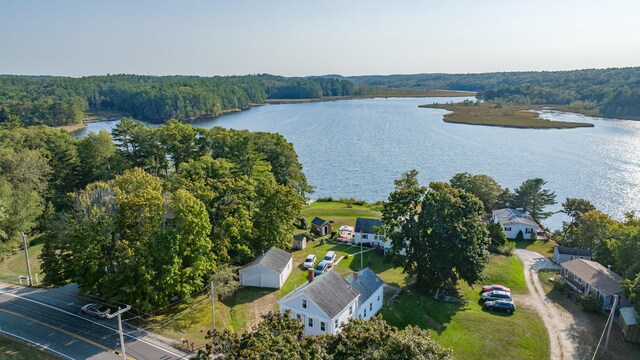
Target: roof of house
[(510, 216), (318, 221), (573, 251), (367, 226), (274, 259), (595, 275), (330, 291), (367, 284)]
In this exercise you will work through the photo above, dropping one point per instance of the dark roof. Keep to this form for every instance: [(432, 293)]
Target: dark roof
[(299, 237), (596, 275), (366, 284), (510, 216), (318, 222), (573, 251), (274, 259), (330, 291), (367, 226)]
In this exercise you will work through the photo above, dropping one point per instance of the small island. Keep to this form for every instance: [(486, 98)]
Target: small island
[(497, 114)]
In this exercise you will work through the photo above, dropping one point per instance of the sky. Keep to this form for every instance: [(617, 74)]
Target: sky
[(300, 38)]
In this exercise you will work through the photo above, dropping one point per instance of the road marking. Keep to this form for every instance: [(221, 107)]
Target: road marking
[(37, 344), (94, 322)]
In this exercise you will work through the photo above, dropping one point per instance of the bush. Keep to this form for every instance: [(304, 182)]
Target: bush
[(520, 236), (590, 303), (506, 249), (324, 199)]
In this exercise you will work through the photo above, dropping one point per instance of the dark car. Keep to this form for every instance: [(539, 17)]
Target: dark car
[(322, 268), (500, 305), (488, 288)]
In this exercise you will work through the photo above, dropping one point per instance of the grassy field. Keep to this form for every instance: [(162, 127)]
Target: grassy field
[(471, 332), (14, 349), (505, 116), (339, 213), (543, 247), (15, 265)]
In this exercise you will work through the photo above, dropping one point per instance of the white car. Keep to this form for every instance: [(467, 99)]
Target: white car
[(330, 257), (309, 261), (95, 310)]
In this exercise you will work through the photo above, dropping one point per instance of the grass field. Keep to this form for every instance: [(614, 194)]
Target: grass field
[(505, 116), (15, 265), (471, 332), (543, 247), (14, 349), (339, 213)]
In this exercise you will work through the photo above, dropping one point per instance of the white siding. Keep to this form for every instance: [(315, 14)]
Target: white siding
[(344, 316), (372, 239), (372, 305), (311, 311), (261, 276), (511, 230)]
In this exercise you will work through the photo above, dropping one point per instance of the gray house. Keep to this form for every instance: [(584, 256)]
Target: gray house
[(562, 254), (591, 277)]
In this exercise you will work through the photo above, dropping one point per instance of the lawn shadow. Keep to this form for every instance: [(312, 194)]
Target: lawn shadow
[(248, 294)]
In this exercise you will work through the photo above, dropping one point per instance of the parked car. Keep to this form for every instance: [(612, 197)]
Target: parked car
[(322, 268), (500, 305), (330, 257), (488, 288), (309, 261), (95, 310), (496, 295)]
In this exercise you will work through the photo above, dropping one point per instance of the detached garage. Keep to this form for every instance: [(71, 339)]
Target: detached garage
[(270, 270)]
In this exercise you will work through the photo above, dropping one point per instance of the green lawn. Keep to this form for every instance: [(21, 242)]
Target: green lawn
[(543, 247), (15, 265), (471, 332), (339, 213), (14, 349)]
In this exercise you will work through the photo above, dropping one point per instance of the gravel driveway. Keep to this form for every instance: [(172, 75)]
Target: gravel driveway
[(559, 322)]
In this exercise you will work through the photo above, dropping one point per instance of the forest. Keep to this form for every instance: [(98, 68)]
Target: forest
[(611, 92), (49, 100), (146, 214)]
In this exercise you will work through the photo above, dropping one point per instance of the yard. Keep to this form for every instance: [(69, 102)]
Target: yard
[(586, 327), (15, 265), (543, 247), (339, 213), (471, 332)]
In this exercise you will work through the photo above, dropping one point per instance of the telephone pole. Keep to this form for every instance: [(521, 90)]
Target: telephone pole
[(213, 311), (119, 315), (361, 262), (26, 255), (613, 314)]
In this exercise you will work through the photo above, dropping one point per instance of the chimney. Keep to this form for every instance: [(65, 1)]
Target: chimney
[(355, 275), (311, 275)]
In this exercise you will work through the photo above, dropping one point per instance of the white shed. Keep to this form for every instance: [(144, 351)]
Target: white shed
[(270, 270)]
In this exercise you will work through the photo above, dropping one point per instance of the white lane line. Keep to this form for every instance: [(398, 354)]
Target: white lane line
[(94, 322), (37, 344)]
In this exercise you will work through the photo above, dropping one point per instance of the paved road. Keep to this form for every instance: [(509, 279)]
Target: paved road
[(557, 321), (51, 318)]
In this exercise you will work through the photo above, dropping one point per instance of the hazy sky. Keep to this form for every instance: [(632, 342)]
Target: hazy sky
[(62, 37)]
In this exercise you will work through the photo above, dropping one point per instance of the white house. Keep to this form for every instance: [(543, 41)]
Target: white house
[(269, 270), (371, 289), (562, 254), (323, 304), (514, 221), (365, 232)]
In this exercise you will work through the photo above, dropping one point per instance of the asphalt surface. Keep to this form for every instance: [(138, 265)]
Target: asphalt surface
[(51, 319)]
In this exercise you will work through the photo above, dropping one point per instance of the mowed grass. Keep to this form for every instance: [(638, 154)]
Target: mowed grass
[(471, 332), (339, 213), (543, 247), (489, 114), (16, 265), (14, 349)]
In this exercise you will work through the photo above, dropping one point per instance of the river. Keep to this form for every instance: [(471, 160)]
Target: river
[(356, 148)]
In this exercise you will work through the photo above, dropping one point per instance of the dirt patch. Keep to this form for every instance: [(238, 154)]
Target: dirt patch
[(259, 307)]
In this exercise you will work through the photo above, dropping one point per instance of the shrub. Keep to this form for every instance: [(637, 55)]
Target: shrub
[(507, 249), (324, 199), (520, 236), (590, 303)]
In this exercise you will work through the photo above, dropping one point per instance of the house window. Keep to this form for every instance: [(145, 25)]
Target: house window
[(365, 313), (298, 316), (322, 326), (528, 231), (370, 306), (304, 303), (311, 322), (335, 324), (365, 236), (378, 298), (350, 310), (507, 229), (571, 257), (576, 278)]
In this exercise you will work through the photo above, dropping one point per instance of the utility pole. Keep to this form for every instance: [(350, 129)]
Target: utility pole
[(361, 257), (119, 315), (613, 314), (26, 255), (213, 311)]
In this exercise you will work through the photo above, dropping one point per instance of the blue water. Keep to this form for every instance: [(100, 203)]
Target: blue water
[(356, 148)]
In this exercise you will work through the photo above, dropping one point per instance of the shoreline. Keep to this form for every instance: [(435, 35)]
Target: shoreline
[(434, 93), (506, 116)]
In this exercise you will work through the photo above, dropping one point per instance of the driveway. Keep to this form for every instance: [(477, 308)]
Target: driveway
[(559, 322)]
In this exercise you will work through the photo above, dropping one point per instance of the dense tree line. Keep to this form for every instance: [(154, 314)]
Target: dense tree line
[(607, 92), (51, 100), (152, 215)]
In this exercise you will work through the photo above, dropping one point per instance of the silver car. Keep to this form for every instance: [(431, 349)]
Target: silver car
[(95, 310), (496, 295)]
